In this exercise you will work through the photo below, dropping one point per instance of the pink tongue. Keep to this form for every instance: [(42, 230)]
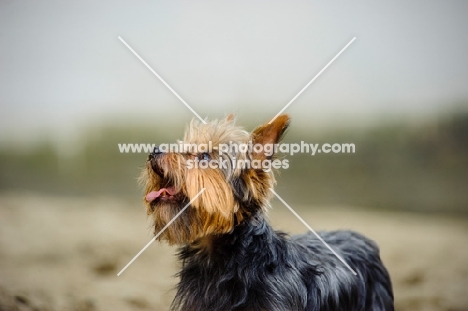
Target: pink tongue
[(150, 197)]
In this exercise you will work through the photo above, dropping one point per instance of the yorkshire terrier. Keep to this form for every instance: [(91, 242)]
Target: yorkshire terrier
[(231, 257)]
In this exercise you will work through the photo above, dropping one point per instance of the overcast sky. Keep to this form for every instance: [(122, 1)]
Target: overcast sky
[(62, 66)]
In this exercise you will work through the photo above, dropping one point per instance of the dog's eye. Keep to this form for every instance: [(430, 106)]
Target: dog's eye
[(204, 156)]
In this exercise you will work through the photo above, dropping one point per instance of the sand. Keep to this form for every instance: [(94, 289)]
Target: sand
[(59, 254)]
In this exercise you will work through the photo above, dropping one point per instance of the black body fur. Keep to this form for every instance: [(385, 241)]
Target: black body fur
[(256, 268)]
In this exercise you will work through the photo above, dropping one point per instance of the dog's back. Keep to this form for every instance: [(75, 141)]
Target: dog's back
[(331, 285)]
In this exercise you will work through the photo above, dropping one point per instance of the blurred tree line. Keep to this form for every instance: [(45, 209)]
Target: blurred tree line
[(395, 166)]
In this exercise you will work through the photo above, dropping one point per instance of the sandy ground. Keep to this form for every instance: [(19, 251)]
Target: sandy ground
[(63, 254)]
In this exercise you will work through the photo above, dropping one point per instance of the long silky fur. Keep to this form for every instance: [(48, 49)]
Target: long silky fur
[(256, 268), (232, 259)]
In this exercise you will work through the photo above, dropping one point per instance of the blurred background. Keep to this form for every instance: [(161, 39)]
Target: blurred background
[(70, 207)]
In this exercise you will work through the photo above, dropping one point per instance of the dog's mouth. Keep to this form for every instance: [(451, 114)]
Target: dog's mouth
[(167, 193)]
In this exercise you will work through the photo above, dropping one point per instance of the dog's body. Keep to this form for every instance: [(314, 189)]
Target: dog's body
[(256, 268), (232, 259)]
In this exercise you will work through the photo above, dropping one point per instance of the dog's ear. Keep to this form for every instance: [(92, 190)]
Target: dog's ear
[(269, 133), (230, 117)]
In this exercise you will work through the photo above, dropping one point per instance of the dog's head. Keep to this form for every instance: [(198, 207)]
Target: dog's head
[(219, 172)]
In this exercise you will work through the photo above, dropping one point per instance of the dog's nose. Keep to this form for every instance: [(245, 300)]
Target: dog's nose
[(155, 152)]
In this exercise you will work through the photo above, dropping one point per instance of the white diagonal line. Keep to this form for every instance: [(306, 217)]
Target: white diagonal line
[(313, 79), (313, 231), (160, 232), (162, 80)]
